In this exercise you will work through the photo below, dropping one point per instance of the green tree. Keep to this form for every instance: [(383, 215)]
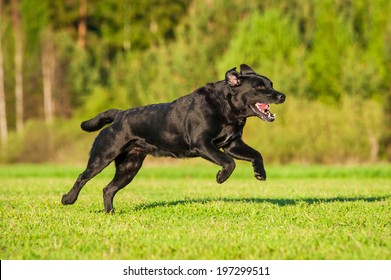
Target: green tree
[(3, 114), (323, 61), (270, 43)]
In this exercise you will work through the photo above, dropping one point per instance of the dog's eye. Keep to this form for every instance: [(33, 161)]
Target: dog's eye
[(260, 87)]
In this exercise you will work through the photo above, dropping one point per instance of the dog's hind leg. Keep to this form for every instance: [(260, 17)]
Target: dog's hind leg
[(102, 154), (91, 171), (127, 166)]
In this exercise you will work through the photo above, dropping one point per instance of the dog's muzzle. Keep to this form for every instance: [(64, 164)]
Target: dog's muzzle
[(280, 98)]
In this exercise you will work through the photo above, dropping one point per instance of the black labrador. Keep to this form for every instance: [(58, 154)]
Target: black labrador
[(207, 123)]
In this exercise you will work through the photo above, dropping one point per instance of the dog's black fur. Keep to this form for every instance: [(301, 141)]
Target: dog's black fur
[(207, 123)]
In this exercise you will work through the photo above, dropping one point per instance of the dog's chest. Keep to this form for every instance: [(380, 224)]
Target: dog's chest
[(228, 133)]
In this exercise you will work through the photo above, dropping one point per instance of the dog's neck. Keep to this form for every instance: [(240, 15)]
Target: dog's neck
[(226, 93)]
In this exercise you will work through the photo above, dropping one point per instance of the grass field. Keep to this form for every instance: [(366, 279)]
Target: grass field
[(179, 212)]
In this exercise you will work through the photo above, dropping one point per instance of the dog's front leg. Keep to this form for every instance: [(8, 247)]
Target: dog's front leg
[(240, 150), (210, 152)]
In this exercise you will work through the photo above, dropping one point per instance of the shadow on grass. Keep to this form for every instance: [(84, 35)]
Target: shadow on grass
[(276, 201)]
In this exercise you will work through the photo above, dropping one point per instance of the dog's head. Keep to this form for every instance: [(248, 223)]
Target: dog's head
[(252, 93)]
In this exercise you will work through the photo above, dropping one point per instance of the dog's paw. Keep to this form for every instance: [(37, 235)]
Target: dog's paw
[(260, 176), (64, 200), (218, 178), (110, 212), (221, 177)]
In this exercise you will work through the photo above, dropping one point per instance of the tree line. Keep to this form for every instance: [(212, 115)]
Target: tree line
[(71, 59), (45, 47)]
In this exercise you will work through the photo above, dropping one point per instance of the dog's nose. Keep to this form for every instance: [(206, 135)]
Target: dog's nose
[(281, 97)]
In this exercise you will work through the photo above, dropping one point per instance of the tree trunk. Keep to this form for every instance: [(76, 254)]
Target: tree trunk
[(126, 44), (18, 65), (3, 114), (48, 69), (82, 27)]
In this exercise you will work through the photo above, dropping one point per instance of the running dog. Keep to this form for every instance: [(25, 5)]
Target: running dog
[(207, 123)]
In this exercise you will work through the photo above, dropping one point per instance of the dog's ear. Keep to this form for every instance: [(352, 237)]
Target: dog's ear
[(232, 77), (245, 69)]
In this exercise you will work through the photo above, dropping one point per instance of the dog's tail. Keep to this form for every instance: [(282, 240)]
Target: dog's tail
[(100, 120)]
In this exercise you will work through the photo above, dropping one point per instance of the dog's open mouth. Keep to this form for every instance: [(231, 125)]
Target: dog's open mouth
[(262, 111)]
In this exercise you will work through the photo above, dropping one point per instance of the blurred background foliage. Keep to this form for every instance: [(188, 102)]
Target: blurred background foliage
[(79, 57)]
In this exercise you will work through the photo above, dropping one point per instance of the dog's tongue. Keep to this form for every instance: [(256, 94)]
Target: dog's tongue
[(263, 106)]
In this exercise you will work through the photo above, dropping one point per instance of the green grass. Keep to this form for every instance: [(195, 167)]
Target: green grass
[(174, 212)]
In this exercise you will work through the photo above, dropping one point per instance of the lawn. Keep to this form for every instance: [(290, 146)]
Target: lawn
[(178, 211)]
